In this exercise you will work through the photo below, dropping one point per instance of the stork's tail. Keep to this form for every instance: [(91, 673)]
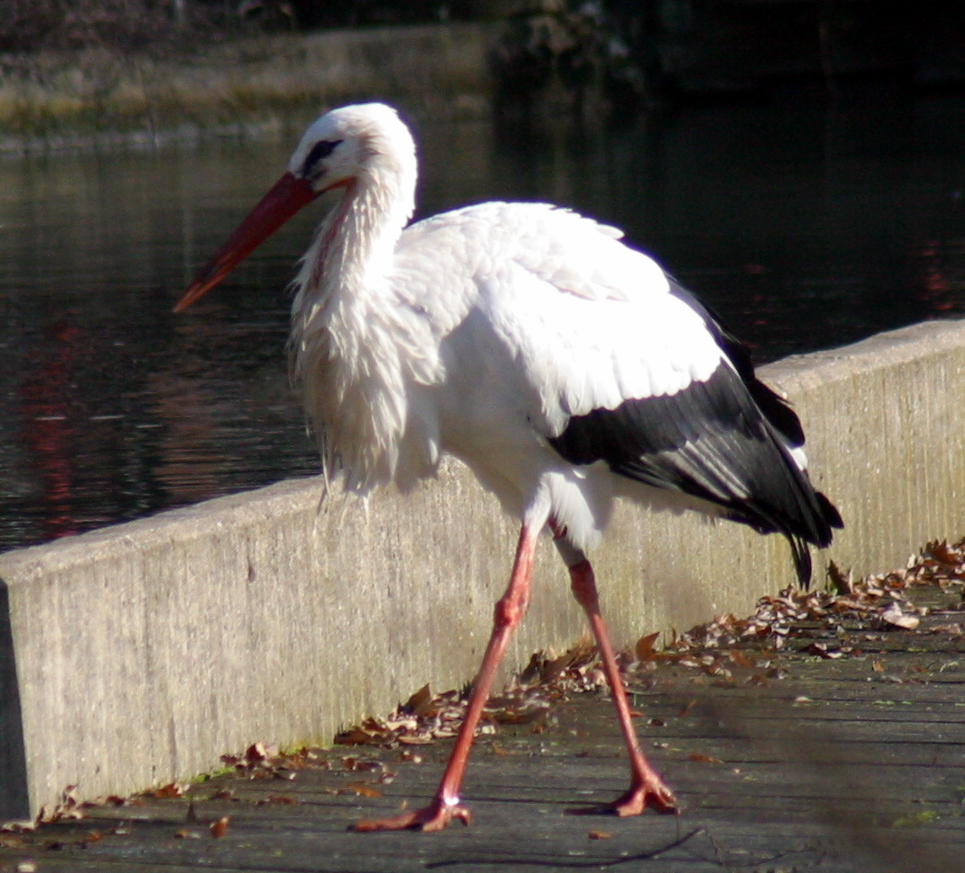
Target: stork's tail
[(819, 534)]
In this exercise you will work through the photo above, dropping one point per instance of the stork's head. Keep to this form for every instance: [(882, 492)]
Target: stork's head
[(350, 142), (363, 143)]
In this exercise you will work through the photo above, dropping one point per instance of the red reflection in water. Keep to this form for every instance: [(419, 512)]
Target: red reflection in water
[(49, 433), (941, 274)]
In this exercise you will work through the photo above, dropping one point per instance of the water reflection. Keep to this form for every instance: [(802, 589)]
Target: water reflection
[(806, 225)]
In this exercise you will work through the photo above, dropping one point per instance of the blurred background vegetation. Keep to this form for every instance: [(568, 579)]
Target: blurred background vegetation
[(574, 43), (29, 25), (575, 53)]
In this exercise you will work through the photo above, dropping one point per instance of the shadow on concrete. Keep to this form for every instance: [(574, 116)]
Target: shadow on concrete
[(14, 802)]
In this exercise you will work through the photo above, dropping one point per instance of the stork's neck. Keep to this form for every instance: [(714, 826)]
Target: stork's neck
[(353, 248), (344, 350)]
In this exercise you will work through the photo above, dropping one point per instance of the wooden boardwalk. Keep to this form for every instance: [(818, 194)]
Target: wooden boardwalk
[(845, 751)]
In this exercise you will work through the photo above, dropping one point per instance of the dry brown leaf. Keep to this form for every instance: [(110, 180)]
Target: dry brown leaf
[(518, 716), (840, 581), (742, 659), (894, 616), (699, 758), (220, 827), (822, 650), (354, 764), (115, 800), (599, 835), (19, 827), (256, 753), (420, 701), (942, 553), (355, 737), (361, 789), (644, 648)]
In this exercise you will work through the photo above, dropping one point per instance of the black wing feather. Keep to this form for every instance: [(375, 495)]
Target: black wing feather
[(774, 407), (724, 440)]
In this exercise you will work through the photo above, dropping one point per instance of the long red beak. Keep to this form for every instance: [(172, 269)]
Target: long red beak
[(286, 197)]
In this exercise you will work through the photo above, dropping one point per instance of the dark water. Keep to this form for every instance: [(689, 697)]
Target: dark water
[(805, 224)]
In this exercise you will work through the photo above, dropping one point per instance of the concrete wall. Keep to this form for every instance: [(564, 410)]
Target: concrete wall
[(138, 654)]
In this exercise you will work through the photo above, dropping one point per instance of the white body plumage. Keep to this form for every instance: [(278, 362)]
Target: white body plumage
[(480, 332)]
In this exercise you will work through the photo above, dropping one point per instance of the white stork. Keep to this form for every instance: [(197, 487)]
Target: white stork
[(563, 367)]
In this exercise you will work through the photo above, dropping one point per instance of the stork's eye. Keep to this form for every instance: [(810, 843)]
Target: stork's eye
[(319, 152)]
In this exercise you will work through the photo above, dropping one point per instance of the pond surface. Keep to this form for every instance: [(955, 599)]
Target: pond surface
[(805, 224)]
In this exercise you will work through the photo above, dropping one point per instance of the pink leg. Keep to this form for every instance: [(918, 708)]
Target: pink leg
[(445, 805), (646, 786)]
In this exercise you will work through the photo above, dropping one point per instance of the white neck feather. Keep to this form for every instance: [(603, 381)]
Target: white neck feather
[(344, 345)]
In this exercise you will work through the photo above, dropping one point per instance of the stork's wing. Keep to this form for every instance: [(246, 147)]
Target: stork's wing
[(588, 320), (632, 371), (611, 360)]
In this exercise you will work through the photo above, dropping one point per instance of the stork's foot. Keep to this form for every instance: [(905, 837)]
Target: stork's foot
[(643, 794), (651, 794), (433, 817)]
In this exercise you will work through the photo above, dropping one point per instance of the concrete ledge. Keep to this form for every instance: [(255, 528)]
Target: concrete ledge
[(138, 654)]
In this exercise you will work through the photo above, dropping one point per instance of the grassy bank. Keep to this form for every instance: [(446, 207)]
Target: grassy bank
[(67, 97)]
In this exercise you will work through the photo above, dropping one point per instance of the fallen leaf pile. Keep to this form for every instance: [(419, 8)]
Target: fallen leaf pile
[(879, 601), (718, 648), (820, 623), (425, 717)]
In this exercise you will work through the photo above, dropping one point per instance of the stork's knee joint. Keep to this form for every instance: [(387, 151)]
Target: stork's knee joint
[(583, 584), (509, 612)]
